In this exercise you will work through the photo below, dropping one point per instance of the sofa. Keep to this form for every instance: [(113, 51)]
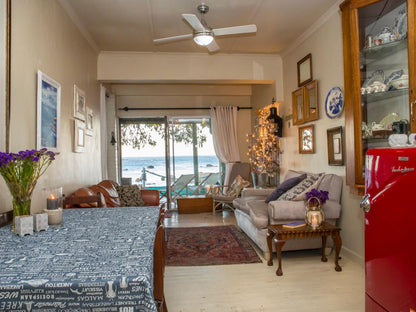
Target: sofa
[(253, 214), (114, 195)]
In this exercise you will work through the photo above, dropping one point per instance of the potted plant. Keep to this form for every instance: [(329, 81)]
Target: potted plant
[(21, 172)]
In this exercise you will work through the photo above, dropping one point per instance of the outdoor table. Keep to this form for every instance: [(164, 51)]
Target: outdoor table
[(99, 259)]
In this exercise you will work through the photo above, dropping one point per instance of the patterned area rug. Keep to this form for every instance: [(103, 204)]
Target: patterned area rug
[(210, 245)]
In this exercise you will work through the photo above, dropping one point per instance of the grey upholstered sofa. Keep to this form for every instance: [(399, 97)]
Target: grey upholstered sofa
[(253, 214)]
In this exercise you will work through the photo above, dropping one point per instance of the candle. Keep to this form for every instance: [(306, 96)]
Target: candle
[(54, 216), (52, 202), (314, 221)]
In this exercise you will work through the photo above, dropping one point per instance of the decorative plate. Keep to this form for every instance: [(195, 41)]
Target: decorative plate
[(388, 120), (402, 26), (334, 103)]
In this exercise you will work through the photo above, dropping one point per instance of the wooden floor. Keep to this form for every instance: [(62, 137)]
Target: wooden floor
[(307, 283)]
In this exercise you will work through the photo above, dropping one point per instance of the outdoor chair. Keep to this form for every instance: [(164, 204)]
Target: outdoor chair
[(212, 179), (237, 176), (181, 184)]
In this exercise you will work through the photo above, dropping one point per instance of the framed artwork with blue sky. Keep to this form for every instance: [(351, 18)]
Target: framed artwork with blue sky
[(48, 113)]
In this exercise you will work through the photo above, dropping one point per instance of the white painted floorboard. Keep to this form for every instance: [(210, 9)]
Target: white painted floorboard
[(307, 283)]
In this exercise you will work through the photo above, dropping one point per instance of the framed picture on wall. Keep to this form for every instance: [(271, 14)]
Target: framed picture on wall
[(89, 126), (335, 146), (305, 70), (306, 144), (79, 136), (48, 113), (79, 103)]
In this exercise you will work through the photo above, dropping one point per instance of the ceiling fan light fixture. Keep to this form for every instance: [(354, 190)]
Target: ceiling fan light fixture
[(203, 38)]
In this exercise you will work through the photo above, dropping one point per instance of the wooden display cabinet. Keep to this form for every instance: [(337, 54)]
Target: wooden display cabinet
[(379, 49)]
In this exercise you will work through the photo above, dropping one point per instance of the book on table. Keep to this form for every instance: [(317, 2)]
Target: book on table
[(294, 225)]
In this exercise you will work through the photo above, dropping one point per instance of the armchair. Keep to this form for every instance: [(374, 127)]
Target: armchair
[(237, 176)]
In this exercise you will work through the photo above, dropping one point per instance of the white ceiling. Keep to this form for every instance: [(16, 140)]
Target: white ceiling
[(131, 25)]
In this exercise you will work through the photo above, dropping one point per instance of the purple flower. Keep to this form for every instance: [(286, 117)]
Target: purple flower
[(322, 196)]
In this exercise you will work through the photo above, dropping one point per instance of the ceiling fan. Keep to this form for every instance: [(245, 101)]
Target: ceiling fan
[(204, 35)]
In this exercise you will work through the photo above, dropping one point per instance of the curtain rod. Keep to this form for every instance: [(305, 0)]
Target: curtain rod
[(126, 109)]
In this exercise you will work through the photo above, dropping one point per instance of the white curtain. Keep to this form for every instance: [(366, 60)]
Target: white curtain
[(224, 133)]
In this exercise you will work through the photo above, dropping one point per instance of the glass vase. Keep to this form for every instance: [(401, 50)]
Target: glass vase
[(21, 207), (314, 215)]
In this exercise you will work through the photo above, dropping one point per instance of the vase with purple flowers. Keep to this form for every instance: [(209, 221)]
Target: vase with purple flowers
[(21, 172), (314, 215)]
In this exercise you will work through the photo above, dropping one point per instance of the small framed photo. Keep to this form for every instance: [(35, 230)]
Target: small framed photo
[(306, 144), (335, 147), (79, 103), (79, 136), (305, 70), (48, 113), (89, 122)]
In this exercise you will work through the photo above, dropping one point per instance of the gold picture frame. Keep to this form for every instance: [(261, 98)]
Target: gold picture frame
[(335, 146), (305, 70), (306, 140)]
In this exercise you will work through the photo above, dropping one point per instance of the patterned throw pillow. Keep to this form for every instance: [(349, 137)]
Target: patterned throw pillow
[(284, 187), (238, 184), (298, 192), (130, 195)]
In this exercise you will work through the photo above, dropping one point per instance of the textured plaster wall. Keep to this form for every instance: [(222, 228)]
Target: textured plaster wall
[(44, 38), (325, 45)]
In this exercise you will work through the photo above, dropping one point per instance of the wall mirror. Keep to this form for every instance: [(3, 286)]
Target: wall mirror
[(311, 101), (335, 146), (305, 103), (306, 144), (297, 106), (305, 70)]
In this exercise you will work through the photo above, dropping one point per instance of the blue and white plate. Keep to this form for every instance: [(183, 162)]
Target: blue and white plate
[(334, 103)]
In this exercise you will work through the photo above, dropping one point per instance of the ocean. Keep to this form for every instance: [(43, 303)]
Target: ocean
[(132, 167)]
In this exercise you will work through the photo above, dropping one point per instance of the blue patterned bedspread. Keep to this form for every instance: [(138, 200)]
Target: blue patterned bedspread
[(100, 259)]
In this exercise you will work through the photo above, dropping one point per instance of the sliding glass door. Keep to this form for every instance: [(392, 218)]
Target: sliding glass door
[(156, 152)]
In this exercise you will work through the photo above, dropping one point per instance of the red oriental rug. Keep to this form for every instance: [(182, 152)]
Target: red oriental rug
[(210, 245)]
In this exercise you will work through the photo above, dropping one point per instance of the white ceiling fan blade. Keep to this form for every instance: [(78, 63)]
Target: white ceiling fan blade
[(245, 29), (213, 46), (194, 22), (174, 38)]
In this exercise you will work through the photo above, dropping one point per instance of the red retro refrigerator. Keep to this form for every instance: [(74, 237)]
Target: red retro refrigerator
[(390, 229)]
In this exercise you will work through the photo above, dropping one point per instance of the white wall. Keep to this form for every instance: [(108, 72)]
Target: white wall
[(44, 38), (325, 45)]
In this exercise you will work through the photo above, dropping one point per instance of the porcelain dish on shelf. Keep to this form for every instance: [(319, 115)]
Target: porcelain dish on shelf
[(334, 103), (400, 83), (412, 138), (394, 75), (388, 120), (402, 26), (377, 75)]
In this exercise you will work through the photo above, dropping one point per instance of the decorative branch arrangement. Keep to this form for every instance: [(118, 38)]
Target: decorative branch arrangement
[(263, 150)]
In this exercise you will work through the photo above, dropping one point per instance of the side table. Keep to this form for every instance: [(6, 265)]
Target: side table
[(279, 234)]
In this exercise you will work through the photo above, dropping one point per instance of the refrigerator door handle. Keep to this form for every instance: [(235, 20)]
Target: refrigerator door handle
[(365, 203)]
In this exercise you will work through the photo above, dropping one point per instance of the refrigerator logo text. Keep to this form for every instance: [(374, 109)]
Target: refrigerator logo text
[(402, 170)]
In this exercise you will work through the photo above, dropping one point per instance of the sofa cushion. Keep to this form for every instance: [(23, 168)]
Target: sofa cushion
[(258, 213), (284, 187), (238, 184), (130, 195), (293, 173), (333, 185), (304, 186), (294, 210)]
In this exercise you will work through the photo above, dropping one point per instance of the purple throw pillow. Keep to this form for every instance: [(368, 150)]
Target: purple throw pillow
[(284, 187)]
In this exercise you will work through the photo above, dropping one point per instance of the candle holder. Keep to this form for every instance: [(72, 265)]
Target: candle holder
[(314, 215), (54, 205)]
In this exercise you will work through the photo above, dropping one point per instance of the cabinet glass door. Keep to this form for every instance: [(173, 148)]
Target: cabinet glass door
[(384, 72)]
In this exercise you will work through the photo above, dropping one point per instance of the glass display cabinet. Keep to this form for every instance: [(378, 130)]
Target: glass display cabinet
[(379, 77)]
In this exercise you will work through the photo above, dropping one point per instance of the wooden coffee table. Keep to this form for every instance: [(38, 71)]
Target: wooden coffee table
[(279, 234)]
